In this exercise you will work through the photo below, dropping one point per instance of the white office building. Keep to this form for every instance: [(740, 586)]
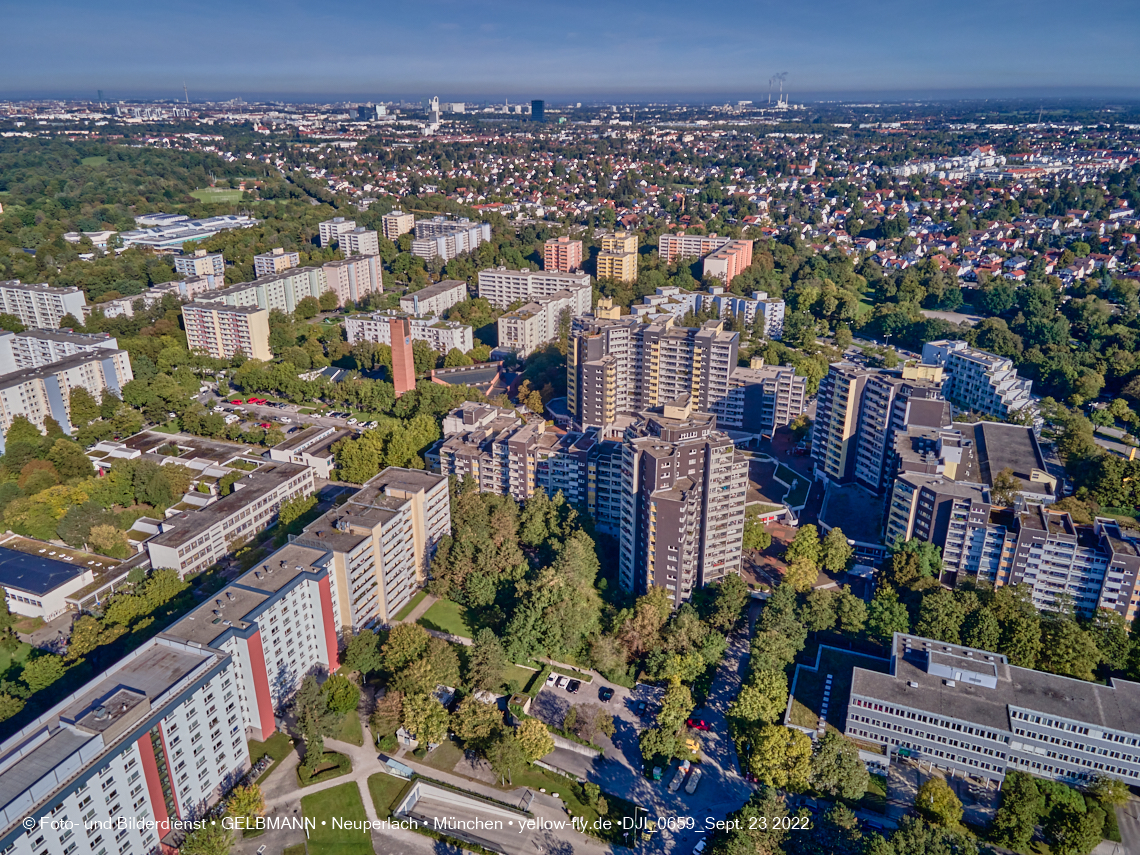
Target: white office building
[(441, 335), (435, 299), (529, 327), (502, 287)]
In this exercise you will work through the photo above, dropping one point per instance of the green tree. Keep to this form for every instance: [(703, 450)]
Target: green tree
[(486, 660), (836, 768), (1006, 488), (762, 698), (328, 301), (69, 460), (756, 534), (425, 718), (246, 800), (801, 574), (341, 694), (475, 721), (9, 706), (208, 839), (805, 545), (1067, 649), (886, 615), (940, 616), (836, 551), (1071, 831), (1108, 790), (534, 739), (293, 509), (754, 829), (363, 653), (307, 307), (819, 611), (851, 612), (728, 599), (507, 757), (82, 407), (980, 630), (311, 709), (1021, 806), (938, 804), (406, 643), (781, 757), (41, 672)]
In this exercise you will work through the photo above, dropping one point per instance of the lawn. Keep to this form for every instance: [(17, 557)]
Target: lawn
[(278, 746), (403, 613), (295, 849), (446, 616), (519, 675), (445, 756), (350, 729), (94, 160), (211, 194), (571, 793), (385, 790), (333, 764), (809, 683), (343, 802), (19, 656)]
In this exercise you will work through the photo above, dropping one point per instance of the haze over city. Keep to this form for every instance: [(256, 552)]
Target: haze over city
[(666, 50)]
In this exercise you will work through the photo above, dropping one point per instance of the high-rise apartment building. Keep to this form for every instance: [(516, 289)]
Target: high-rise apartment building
[(201, 263), (760, 399), (43, 392), (858, 413), (444, 238), (618, 257), (396, 223), (221, 330), (502, 287), (441, 335), (726, 262), (562, 254), (979, 381), (35, 348), (683, 493), (353, 278), (434, 299), (681, 245), (331, 230), (747, 310), (508, 456), (276, 260), (162, 734), (529, 327), (382, 541), (360, 241), (403, 359), (40, 305), (620, 365)]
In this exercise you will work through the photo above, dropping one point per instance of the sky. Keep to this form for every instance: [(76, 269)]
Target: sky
[(585, 50)]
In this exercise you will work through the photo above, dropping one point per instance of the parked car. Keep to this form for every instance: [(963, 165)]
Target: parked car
[(656, 773), (550, 678), (605, 693), (265, 425), (640, 707), (697, 724), (700, 847), (353, 421), (172, 416), (560, 682), (286, 420), (679, 777), (236, 403), (694, 779), (573, 686), (219, 409)]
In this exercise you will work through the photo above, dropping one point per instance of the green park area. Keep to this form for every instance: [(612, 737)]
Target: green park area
[(343, 802), (446, 616), (212, 194)]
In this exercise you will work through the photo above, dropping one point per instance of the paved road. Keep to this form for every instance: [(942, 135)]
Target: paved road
[(1128, 817)]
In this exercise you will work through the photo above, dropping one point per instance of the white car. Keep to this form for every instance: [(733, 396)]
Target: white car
[(353, 422), (219, 409), (286, 420), (550, 678)]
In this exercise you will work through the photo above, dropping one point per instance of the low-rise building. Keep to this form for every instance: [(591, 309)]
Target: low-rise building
[(747, 310), (312, 447), (191, 541), (970, 712), (39, 585)]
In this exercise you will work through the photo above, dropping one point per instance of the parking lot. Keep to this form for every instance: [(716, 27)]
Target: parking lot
[(620, 769)]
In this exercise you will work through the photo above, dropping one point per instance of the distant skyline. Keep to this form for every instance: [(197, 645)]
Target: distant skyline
[(668, 50)]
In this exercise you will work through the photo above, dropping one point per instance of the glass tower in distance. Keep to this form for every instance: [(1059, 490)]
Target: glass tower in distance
[(538, 111)]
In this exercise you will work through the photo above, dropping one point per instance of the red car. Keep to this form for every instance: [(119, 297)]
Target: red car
[(236, 403), (264, 425), (697, 724)]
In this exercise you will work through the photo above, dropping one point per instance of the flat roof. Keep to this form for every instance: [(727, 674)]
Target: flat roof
[(854, 510), (436, 288), (1112, 707), (1001, 446), (76, 360), (36, 574)]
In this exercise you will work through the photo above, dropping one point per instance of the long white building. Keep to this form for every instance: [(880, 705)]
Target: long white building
[(35, 348), (40, 305), (529, 327), (502, 287), (441, 335), (435, 299)]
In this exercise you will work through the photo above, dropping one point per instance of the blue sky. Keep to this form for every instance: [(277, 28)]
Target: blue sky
[(467, 49)]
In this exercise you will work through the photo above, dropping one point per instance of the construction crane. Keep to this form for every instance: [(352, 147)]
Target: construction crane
[(185, 92)]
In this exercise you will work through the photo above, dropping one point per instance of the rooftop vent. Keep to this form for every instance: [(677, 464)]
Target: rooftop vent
[(100, 713), (950, 683), (912, 684)]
